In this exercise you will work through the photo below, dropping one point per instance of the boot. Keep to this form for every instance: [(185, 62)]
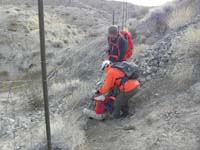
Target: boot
[(92, 114)]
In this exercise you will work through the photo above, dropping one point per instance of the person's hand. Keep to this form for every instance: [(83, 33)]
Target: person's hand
[(99, 97), (97, 92), (99, 83), (93, 91), (106, 51)]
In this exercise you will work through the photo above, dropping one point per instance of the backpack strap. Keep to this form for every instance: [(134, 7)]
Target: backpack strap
[(117, 45), (123, 80)]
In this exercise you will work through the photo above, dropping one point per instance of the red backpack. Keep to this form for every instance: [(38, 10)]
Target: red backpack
[(127, 35)]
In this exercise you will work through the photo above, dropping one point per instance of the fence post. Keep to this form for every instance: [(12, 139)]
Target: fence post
[(44, 74)]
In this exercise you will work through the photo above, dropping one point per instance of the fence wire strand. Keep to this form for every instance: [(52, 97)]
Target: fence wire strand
[(16, 94)]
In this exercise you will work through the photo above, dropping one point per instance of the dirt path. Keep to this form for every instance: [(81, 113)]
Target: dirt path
[(169, 122)]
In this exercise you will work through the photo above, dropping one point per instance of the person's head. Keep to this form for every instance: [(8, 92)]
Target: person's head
[(113, 31), (105, 64)]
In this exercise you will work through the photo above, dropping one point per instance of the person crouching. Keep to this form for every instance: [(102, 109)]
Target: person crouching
[(124, 92)]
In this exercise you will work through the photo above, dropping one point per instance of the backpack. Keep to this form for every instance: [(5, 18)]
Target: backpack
[(128, 36), (130, 69)]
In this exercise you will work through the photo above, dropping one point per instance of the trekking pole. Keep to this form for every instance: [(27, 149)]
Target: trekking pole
[(123, 16), (113, 22), (44, 74), (126, 15)]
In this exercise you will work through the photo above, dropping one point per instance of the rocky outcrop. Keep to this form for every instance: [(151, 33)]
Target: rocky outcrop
[(156, 61)]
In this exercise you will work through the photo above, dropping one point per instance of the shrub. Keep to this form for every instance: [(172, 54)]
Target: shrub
[(158, 16), (181, 75), (94, 34), (192, 38), (133, 32), (74, 32), (74, 18), (35, 100), (67, 14), (16, 26), (66, 41), (192, 35), (179, 17), (69, 27), (32, 23), (33, 95), (31, 75), (57, 44), (138, 49), (4, 73)]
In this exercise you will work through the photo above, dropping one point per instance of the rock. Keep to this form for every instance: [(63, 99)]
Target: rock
[(169, 52), (148, 77), (161, 64), (57, 44), (129, 127), (141, 55), (154, 69)]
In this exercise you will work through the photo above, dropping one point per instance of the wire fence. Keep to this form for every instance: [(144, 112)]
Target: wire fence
[(22, 116), (35, 2), (22, 125)]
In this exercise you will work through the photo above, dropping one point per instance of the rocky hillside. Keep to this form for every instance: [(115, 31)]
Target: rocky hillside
[(166, 110)]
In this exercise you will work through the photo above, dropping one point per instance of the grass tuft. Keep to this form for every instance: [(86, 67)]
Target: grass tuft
[(4, 73), (179, 17)]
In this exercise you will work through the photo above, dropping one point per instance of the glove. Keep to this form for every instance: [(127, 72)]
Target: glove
[(99, 97), (97, 92), (99, 83), (106, 51)]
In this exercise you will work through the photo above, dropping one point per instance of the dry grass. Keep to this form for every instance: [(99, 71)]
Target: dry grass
[(32, 23), (138, 49), (31, 98), (4, 73), (29, 85), (73, 94), (31, 75), (35, 99), (132, 30), (181, 75), (94, 34), (58, 44), (190, 42), (187, 47), (193, 36), (179, 16), (19, 82), (78, 96), (194, 40), (187, 50)]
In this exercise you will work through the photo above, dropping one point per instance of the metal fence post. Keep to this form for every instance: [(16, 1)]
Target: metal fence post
[(44, 74)]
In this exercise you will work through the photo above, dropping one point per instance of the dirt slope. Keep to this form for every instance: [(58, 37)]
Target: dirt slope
[(166, 109)]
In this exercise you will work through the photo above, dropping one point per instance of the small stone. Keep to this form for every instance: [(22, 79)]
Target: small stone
[(142, 80), (148, 77), (148, 70), (129, 127), (141, 55), (154, 69), (169, 52), (161, 64)]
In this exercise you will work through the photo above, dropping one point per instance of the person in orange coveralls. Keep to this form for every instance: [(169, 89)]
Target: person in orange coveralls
[(125, 91)]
